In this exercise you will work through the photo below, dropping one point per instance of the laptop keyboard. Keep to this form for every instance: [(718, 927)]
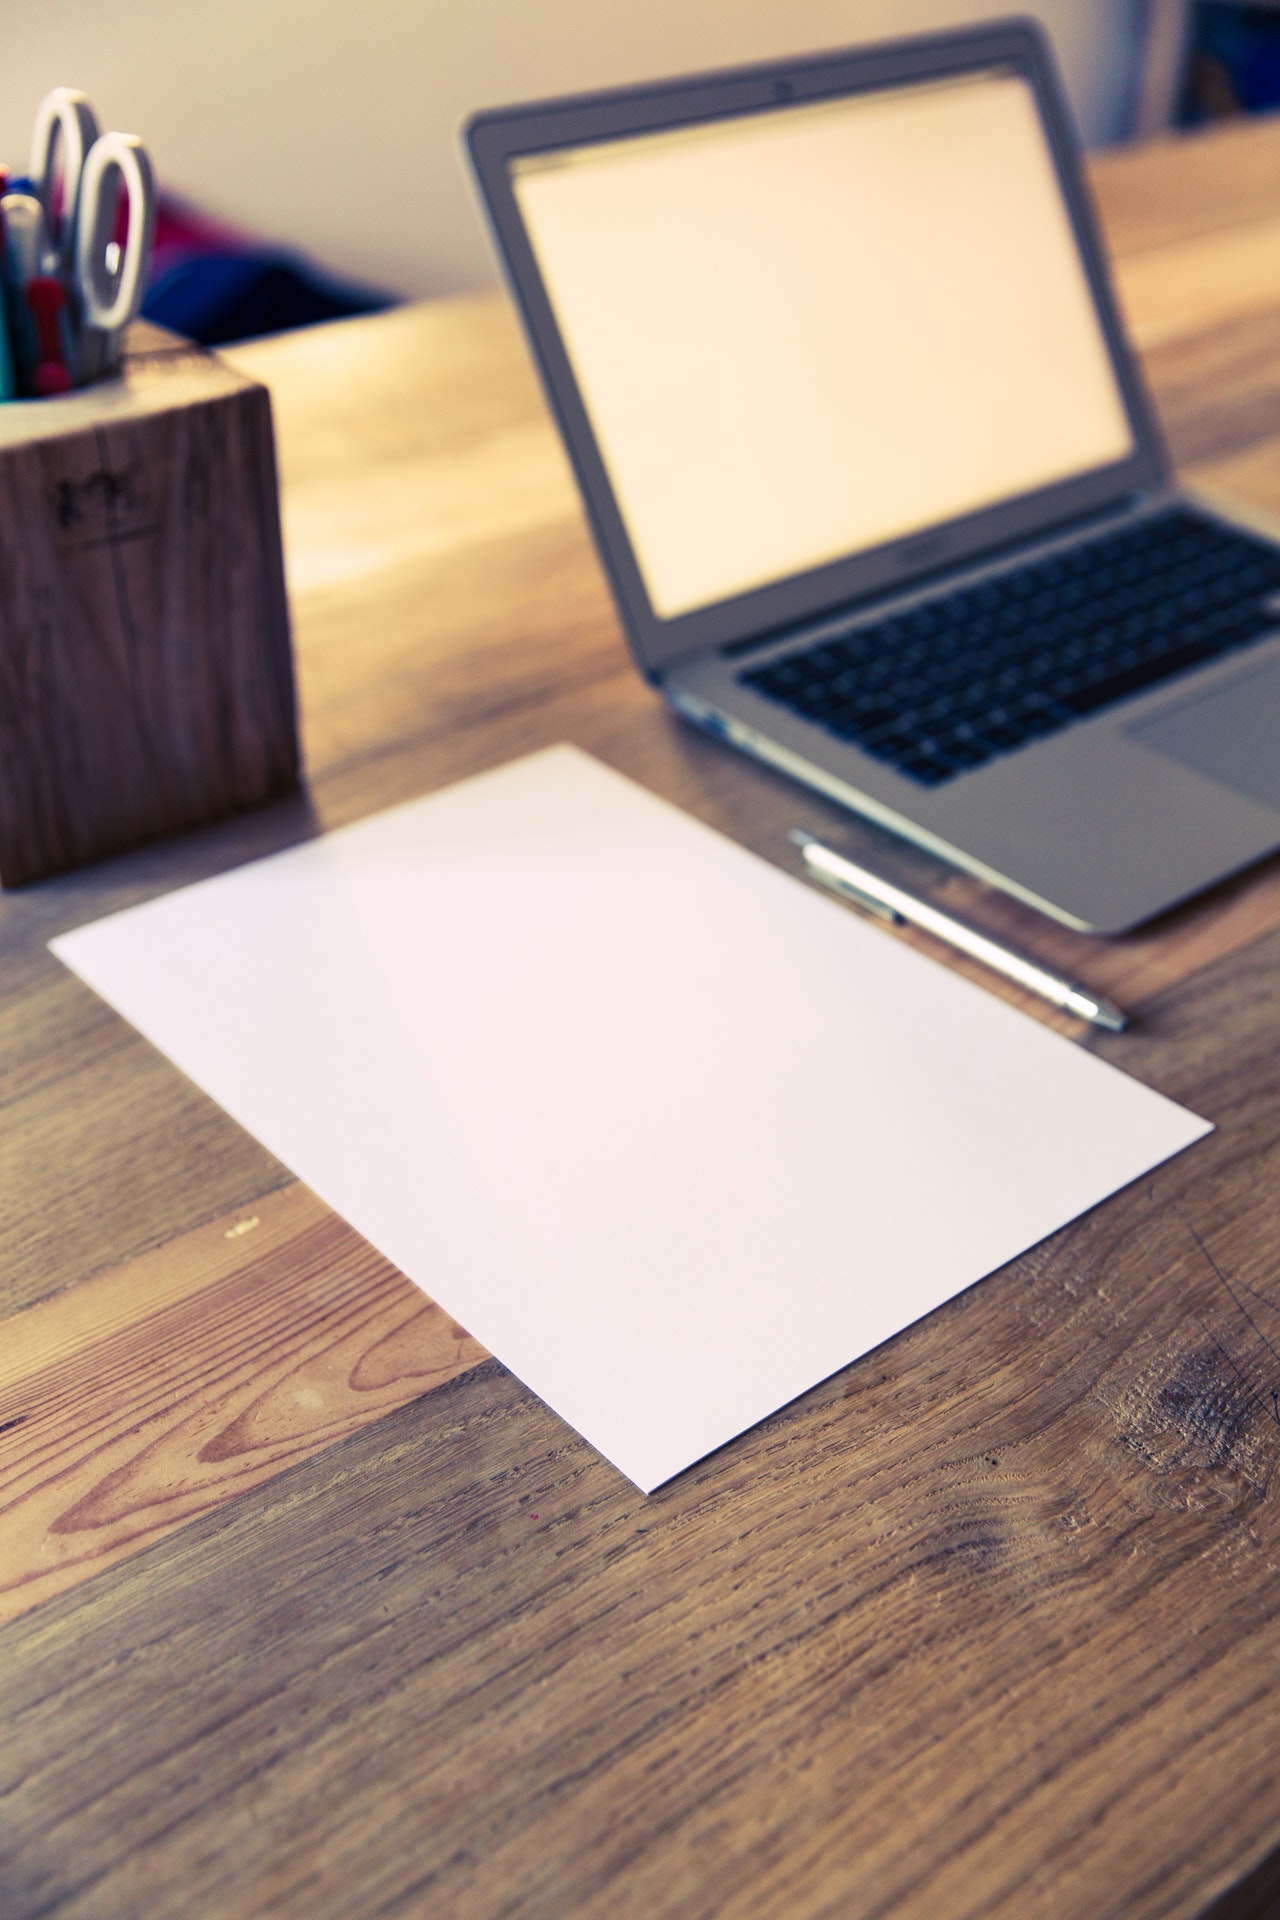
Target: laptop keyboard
[(944, 687)]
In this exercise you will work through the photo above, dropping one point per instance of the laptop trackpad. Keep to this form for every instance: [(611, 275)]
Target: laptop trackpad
[(1232, 734)]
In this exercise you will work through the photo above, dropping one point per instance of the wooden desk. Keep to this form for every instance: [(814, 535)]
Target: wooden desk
[(312, 1610)]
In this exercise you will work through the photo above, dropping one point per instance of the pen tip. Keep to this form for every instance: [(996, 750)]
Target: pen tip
[(1097, 1011), (799, 838)]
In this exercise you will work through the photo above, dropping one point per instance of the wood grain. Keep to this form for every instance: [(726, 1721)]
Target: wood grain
[(157, 1391), (1176, 189), (1191, 286), (145, 671)]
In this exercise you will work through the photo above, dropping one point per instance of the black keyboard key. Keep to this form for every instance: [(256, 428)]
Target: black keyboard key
[(1035, 721), (930, 773), (1004, 736)]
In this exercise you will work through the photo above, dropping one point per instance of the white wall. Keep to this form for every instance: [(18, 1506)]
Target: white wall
[(332, 124)]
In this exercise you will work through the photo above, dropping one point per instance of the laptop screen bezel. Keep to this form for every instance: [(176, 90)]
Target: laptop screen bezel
[(497, 139)]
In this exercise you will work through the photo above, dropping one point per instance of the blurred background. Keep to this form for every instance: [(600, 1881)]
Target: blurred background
[(313, 150)]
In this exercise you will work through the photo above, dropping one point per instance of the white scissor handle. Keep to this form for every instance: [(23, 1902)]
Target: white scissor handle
[(112, 288), (67, 113)]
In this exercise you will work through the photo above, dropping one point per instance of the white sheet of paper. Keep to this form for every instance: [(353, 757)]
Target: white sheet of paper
[(675, 1136)]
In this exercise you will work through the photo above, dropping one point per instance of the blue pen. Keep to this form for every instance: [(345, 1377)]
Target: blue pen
[(8, 369)]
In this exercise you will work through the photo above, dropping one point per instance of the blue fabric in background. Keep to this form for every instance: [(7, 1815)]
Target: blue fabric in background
[(1234, 63), (216, 284), (218, 298)]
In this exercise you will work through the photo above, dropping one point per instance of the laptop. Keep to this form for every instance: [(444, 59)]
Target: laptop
[(871, 468)]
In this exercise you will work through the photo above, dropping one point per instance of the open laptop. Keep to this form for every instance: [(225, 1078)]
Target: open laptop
[(871, 468)]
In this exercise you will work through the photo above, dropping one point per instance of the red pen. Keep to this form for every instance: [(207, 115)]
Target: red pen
[(47, 299)]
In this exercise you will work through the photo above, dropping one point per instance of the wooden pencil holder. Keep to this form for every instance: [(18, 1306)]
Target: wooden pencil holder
[(146, 676)]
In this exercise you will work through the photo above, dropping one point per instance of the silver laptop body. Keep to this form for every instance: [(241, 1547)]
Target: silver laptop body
[(835, 356)]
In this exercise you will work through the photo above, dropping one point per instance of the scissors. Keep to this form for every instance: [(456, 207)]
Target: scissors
[(70, 238)]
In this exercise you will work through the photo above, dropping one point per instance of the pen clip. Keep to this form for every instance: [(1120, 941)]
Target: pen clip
[(863, 901), (836, 883)]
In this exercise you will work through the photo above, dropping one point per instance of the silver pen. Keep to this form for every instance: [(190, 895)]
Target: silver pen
[(887, 902)]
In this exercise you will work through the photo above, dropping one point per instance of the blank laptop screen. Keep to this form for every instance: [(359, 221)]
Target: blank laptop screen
[(803, 333)]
